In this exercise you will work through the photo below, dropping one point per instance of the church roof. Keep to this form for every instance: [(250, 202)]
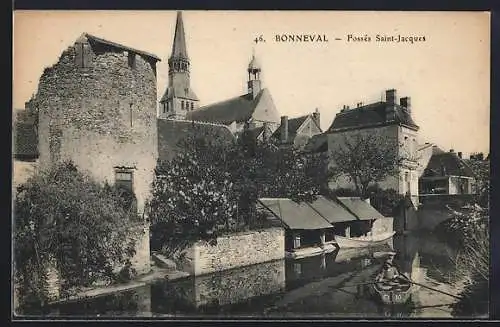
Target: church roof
[(96, 39), (238, 109), (179, 92), (179, 49), (373, 114), (446, 164), (172, 132)]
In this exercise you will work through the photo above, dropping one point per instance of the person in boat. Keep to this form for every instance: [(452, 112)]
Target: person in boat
[(390, 273)]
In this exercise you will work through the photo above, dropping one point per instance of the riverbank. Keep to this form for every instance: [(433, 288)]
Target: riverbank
[(156, 274)]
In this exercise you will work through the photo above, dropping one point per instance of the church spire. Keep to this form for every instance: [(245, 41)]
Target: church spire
[(178, 98), (179, 49)]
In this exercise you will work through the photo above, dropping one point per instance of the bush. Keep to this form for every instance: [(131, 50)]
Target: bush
[(64, 219)]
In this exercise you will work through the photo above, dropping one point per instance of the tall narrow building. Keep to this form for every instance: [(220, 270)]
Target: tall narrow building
[(179, 98)]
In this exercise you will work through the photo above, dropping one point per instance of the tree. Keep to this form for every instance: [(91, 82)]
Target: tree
[(64, 219), (213, 186), (193, 195), (366, 159), (481, 170)]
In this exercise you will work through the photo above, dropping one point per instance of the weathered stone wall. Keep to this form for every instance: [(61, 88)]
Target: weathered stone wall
[(22, 170), (237, 250), (101, 116), (223, 288), (141, 261)]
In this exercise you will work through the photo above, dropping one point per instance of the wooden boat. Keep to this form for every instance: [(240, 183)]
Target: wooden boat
[(310, 251), (393, 292), (363, 241)]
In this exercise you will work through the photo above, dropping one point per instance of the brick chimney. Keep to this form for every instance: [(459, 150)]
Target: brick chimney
[(284, 129), (406, 103), (390, 99), (390, 96), (265, 131), (316, 117)]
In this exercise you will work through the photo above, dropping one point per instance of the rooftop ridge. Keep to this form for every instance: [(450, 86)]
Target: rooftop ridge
[(196, 122), (120, 46)]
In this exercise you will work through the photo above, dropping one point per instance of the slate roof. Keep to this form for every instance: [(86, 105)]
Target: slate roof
[(360, 208), (179, 92), (239, 109), (96, 39), (295, 215), (370, 115), (293, 125), (450, 162), (171, 133), (25, 139)]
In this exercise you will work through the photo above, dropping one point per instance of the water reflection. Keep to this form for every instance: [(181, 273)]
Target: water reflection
[(327, 285)]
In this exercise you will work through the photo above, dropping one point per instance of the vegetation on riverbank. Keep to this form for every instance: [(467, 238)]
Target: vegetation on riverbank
[(211, 188), (66, 221)]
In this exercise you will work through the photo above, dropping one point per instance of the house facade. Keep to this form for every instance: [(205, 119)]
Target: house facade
[(392, 121), (446, 173)]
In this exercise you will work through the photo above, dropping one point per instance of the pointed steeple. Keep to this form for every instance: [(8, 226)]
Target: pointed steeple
[(179, 49), (178, 98)]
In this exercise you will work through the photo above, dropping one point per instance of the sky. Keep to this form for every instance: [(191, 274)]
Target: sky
[(447, 76)]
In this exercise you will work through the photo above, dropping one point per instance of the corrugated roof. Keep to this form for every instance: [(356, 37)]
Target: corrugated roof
[(370, 115), (295, 215), (360, 208), (172, 132), (93, 38), (239, 109), (332, 211)]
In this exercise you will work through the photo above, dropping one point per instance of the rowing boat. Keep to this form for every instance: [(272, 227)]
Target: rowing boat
[(393, 292), (363, 241)]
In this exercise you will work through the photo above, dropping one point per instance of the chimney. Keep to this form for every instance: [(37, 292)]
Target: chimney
[(460, 155), (406, 103), (390, 96), (390, 99), (316, 117), (265, 131), (284, 129)]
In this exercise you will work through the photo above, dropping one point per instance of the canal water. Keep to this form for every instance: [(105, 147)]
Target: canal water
[(324, 286)]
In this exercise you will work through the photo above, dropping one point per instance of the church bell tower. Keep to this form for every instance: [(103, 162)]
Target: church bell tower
[(178, 98)]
